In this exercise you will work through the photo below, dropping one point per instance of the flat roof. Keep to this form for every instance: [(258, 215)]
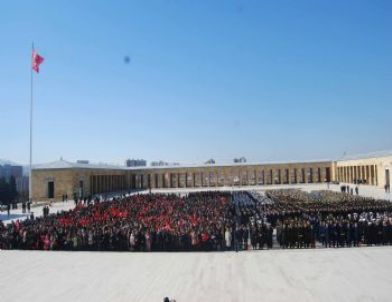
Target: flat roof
[(376, 154), (63, 164)]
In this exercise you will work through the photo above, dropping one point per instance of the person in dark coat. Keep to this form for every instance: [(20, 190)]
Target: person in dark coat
[(341, 231), (332, 234), (238, 238), (322, 233), (269, 236)]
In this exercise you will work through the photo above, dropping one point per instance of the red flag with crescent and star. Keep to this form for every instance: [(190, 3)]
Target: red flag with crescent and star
[(36, 61)]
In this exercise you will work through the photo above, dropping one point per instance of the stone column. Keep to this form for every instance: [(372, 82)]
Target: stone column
[(345, 174), (372, 175), (312, 173), (257, 177), (174, 180), (161, 180), (358, 170), (92, 184), (353, 174), (363, 173), (367, 175), (254, 182), (152, 180), (306, 175)]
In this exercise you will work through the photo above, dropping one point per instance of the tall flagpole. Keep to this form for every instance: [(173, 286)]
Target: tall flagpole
[(31, 125)]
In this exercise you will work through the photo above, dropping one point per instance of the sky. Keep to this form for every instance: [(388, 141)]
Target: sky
[(268, 80)]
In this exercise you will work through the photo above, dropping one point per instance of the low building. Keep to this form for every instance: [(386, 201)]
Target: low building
[(59, 178), (370, 169)]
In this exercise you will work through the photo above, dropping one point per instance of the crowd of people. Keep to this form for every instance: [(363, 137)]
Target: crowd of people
[(329, 218), (208, 221), (135, 223)]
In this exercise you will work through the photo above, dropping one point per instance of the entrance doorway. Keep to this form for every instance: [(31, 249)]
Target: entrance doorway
[(50, 189)]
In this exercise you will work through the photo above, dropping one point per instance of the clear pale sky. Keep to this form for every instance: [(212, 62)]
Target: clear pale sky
[(268, 80)]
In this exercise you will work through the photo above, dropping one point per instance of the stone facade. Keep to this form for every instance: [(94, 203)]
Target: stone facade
[(235, 175), (54, 181), (79, 181), (372, 171), (57, 179)]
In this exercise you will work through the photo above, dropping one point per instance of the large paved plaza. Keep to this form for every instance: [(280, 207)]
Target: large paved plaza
[(348, 274), (344, 274)]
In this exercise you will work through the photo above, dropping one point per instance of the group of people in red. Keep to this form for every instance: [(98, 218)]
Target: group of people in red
[(152, 222)]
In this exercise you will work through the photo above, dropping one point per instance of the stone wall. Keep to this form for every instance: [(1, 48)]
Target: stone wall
[(84, 181)]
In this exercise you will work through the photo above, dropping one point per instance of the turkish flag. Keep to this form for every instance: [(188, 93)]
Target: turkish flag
[(36, 61)]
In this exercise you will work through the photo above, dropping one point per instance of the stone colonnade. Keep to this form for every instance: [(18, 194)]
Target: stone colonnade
[(107, 183), (246, 175), (367, 174)]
